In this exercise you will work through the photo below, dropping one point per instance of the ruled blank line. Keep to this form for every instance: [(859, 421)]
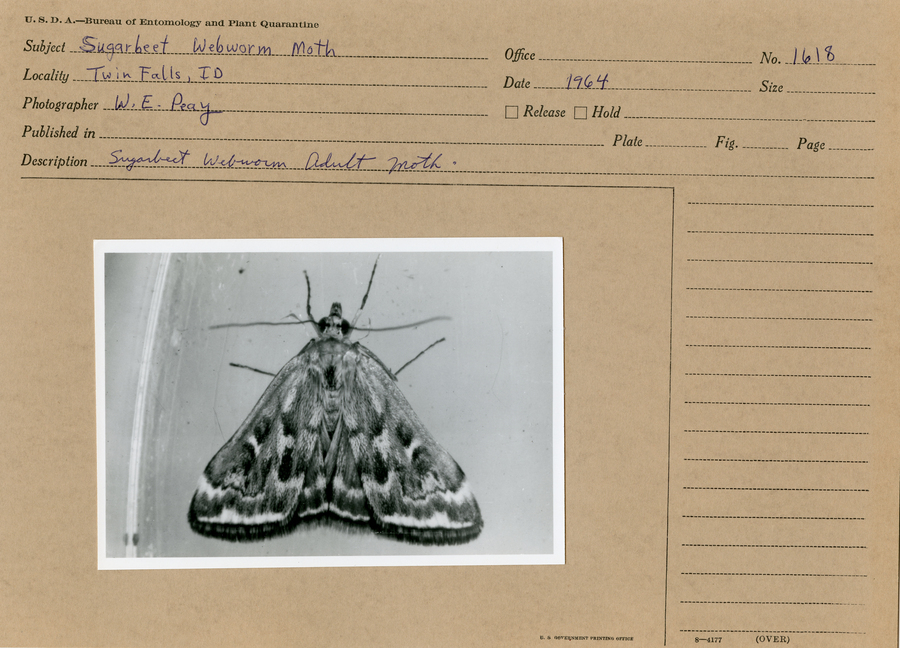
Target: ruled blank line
[(279, 83), (771, 603), (771, 517), (308, 112), (777, 233), (774, 404), (777, 204), (779, 546), (777, 346), (814, 319), (815, 290), (783, 460), (826, 63), (765, 119), (846, 92), (757, 375), (778, 261), (772, 574), (779, 432), (779, 632), (434, 58), (612, 89), (760, 488), (587, 60), (338, 141)]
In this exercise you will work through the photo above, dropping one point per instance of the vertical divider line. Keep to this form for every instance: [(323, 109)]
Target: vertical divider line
[(137, 427), (669, 449)]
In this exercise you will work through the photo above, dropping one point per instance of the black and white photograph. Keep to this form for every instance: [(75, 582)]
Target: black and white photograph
[(329, 402)]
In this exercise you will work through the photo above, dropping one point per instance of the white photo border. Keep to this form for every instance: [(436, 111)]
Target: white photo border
[(505, 244)]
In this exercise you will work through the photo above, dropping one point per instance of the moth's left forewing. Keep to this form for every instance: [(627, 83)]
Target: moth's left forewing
[(415, 489), (270, 474)]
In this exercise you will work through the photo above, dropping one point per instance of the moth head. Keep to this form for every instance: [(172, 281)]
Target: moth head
[(334, 326)]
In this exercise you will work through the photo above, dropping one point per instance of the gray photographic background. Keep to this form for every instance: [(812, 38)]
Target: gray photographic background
[(485, 394)]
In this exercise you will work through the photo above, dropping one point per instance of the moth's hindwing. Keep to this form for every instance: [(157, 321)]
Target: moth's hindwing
[(334, 438), (270, 474)]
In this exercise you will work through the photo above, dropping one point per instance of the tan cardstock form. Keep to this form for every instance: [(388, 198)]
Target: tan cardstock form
[(723, 179)]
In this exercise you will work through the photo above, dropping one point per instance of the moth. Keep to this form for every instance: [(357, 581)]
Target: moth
[(333, 440)]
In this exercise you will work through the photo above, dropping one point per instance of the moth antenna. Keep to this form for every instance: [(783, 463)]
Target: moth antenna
[(366, 296), (308, 307), (404, 326), (245, 324), (421, 353), (240, 366)]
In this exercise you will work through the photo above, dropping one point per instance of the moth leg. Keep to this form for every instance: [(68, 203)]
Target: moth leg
[(324, 438), (331, 457)]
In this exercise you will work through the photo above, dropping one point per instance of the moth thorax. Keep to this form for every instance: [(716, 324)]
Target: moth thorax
[(334, 326)]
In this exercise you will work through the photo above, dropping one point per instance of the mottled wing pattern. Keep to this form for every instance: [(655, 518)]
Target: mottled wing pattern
[(270, 474), (414, 489), (333, 438)]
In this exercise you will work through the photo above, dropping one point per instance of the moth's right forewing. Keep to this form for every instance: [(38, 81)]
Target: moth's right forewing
[(270, 474), (415, 489)]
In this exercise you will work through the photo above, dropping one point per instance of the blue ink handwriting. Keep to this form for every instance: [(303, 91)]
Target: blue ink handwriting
[(313, 49), (354, 162), (586, 82), (89, 45), (162, 73), (232, 161), (156, 158), (178, 104), (425, 162), (216, 47)]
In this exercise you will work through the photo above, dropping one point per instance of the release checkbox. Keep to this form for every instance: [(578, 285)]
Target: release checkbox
[(580, 112), (512, 112)]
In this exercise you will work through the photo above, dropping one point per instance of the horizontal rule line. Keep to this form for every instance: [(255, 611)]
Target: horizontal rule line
[(760, 488), (338, 141), (844, 92), (771, 603), (480, 172), (759, 317), (780, 432), (762, 403), (772, 517), (747, 204), (613, 89), (304, 112), (330, 56), (626, 173), (765, 119), (785, 460), (780, 632), (815, 290), (277, 83), (590, 60), (771, 574), (751, 375), (776, 546), (775, 261), (775, 233), (772, 346)]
